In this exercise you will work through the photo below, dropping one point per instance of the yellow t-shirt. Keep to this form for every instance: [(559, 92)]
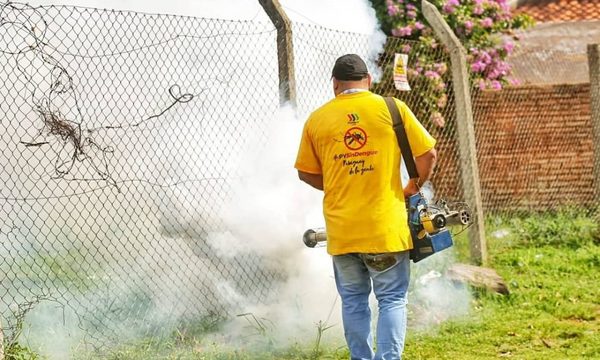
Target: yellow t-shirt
[(350, 140)]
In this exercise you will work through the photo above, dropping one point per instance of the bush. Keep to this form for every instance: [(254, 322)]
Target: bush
[(486, 28)]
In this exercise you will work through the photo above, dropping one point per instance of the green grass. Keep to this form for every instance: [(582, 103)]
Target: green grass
[(551, 263)]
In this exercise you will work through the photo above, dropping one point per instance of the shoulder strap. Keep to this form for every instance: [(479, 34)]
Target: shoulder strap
[(402, 138)]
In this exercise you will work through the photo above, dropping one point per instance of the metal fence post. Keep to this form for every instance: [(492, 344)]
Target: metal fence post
[(593, 52), (465, 129), (285, 50)]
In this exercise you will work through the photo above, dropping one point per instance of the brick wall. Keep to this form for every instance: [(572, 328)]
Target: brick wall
[(534, 146)]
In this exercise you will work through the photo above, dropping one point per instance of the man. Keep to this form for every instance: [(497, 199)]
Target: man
[(350, 151)]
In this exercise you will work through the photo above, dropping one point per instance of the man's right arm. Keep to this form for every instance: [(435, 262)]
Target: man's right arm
[(314, 180)]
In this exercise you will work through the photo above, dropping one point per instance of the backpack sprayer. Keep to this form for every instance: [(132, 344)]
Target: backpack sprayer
[(428, 223)]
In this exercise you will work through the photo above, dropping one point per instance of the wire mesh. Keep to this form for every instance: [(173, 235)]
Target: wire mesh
[(446, 180), (534, 140), (119, 132), (315, 50)]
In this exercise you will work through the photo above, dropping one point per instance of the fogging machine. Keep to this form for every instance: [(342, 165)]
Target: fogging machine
[(428, 223)]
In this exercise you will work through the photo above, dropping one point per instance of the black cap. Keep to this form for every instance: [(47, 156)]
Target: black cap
[(349, 67)]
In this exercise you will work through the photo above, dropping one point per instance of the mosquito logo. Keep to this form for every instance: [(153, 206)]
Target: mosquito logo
[(352, 119), (355, 138)]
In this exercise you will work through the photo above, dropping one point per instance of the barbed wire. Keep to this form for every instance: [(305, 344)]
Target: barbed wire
[(22, 7)]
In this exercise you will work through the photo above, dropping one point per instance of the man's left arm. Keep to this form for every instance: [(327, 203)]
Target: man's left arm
[(425, 164), (423, 147)]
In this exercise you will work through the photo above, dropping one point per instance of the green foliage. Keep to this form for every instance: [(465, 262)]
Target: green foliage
[(563, 228), (16, 351)]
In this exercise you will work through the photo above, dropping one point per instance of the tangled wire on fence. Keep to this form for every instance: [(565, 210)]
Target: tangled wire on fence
[(13, 330), (25, 30)]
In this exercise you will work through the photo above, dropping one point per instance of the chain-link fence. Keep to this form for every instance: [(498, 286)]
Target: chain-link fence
[(534, 146), (120, 132), (447, 179), (534, 140)]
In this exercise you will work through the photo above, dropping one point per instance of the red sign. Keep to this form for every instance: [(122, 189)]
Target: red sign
[(355, 138)]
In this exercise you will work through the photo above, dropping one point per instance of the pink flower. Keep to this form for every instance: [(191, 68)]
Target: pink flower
[(468, 26), (432, 74), (485, 57), (494, 74), (504, 5), (402, 31), (486, 23), (393, 10), (503, 67), (478, 66), (496, 85), (437, 119), (441, 68), (508, 47), (419, 25), (405, 49), (478, 10), (449, 6)]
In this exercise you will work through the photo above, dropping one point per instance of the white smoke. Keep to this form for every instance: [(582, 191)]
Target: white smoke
[(270, 207)]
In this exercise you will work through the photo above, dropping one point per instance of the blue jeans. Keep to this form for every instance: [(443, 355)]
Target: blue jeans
[(354, 274)]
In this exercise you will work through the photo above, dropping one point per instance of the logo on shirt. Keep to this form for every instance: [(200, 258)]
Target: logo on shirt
[(355, 138), (352, 119)]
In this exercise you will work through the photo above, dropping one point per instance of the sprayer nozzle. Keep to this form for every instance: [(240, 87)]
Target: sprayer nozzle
[(309, 238), (312, 237)]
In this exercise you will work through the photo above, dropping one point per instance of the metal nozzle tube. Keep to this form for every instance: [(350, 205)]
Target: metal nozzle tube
[(461, 217), (312, 237)]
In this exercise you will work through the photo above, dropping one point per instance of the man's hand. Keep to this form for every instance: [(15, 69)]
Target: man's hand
[(410, 189), (425, 164), (314, 180)]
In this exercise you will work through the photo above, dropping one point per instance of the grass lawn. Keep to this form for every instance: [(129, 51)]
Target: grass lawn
[(552, 266), (551, 263)]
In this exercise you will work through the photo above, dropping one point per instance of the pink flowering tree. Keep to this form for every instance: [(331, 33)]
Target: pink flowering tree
[(485, 28)]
